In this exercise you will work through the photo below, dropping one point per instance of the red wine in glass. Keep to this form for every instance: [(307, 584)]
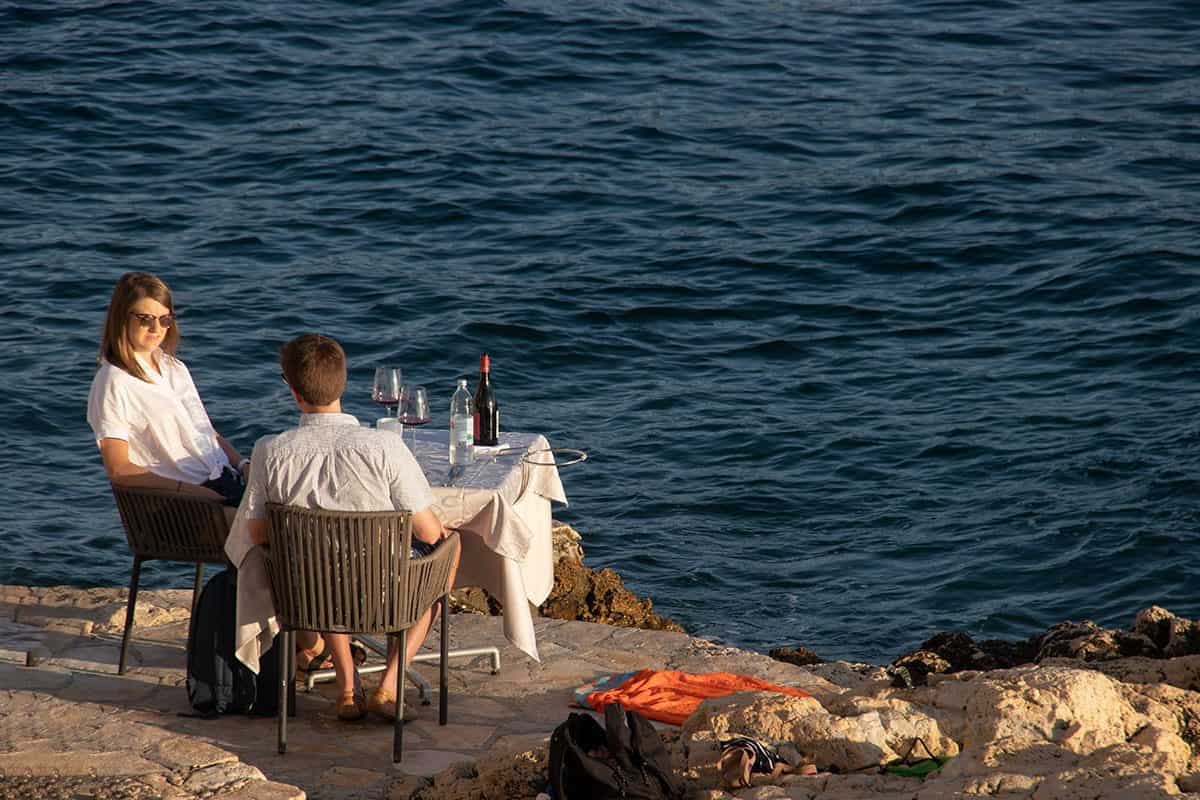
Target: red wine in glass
[(386, 390), (414, 408)]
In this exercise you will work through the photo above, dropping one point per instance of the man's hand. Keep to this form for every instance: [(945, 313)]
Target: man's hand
[(257, 528)]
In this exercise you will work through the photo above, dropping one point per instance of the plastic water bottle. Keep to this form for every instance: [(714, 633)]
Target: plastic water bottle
[(462, 426)]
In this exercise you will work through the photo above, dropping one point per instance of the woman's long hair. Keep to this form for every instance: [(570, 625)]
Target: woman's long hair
[(114, 344)]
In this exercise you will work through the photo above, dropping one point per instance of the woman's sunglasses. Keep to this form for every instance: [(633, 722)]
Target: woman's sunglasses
[(146, 320)]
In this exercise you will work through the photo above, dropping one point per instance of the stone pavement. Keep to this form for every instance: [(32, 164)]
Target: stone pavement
[(71, 727)]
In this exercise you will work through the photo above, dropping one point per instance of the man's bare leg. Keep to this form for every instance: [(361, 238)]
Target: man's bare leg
[(383, 701), (351, 705)]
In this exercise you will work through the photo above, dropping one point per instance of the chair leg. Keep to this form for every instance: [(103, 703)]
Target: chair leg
[(443, 688), (284, 644), (398, 725), (198, 584), (291, 680), (129, 609)]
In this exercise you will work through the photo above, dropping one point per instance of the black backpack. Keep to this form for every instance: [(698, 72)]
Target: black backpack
[(637, 766), (217, 683)]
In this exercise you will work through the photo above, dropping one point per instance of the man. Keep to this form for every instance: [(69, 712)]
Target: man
[(331, 462)]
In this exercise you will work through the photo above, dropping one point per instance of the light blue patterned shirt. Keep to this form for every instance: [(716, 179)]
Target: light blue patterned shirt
[(332, 463)]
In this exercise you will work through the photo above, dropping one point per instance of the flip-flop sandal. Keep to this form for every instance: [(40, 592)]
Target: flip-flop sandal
[(311, 663)]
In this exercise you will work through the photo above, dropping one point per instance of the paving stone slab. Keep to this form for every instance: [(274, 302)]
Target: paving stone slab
[(454, 735), (351, 777), (263, 790), (53, 708), (189, 754), (431, 762), (220, 776), (67, 763)]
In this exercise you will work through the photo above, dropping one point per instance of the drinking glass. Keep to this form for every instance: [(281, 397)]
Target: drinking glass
[(386, 390), (414, 409)]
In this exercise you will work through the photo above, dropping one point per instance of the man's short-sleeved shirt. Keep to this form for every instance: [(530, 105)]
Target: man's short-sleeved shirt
[(332, 463), (163, 421)]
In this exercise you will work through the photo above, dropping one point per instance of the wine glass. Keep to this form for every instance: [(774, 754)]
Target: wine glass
[(386, 390), (414, 409)]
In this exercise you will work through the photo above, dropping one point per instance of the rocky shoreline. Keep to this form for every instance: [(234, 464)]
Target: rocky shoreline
[(1075, 712), (580, 593), (1078, 711)]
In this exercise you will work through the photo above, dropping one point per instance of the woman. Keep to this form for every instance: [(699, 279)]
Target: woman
[(148, 419), (144, 409)]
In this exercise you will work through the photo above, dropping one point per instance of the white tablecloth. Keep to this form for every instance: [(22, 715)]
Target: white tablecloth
[(501, 507)]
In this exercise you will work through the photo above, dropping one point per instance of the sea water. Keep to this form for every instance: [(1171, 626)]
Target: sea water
[(875, 318)]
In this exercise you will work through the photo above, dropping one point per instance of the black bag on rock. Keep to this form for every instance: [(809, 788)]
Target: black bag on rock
[(217, 683), (624, 759)]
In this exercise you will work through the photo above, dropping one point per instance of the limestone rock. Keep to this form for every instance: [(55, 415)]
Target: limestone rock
[(903, 723), (799, 655), (589, 595), (579, 592), (844, 743), (920, 663), (1089, 642), (1174, 636), (514, 768), (566, 542), (951, 652), (1076, 710), (851, 676), (473, 600)]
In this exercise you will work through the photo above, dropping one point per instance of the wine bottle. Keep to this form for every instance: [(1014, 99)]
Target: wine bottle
[(461, 424), (487, 410)]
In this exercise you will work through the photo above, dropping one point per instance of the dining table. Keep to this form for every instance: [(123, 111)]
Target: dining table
[(501, 506)]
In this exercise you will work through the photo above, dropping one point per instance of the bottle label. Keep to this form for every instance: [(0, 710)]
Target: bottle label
[(461, 430), (461, 440)]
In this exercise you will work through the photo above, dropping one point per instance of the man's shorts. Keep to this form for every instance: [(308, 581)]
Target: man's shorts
[(420, 549)]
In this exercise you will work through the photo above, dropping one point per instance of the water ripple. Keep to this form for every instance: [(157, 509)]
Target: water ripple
[(887, 309)]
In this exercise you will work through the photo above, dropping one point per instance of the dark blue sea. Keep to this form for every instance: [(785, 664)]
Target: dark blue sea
[(875, 318)]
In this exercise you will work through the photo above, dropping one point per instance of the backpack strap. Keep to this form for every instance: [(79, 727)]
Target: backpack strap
[(650, 754), (620, 740)]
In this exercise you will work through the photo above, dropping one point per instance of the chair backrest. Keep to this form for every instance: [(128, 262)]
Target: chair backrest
[(170, 526), (349, 571)]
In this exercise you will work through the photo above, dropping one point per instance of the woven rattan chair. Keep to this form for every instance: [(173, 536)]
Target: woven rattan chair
[(350, 572), (168, 526)]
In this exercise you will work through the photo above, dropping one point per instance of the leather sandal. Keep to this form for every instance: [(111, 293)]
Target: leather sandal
[(352, 706), (312, 659), (384, 704)]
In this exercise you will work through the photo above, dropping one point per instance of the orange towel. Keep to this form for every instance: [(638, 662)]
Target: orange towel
[(670, 696)]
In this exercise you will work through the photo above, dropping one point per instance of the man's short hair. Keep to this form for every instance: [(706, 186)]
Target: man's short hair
[(315, 366)]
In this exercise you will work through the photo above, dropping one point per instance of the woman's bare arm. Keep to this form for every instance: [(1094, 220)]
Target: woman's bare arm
[(231, 452), (124, 472)]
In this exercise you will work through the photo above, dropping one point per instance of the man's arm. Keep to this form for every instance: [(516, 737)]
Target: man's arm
[(427, 527)]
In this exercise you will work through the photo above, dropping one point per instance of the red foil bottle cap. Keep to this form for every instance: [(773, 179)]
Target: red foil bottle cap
[(485, 363)]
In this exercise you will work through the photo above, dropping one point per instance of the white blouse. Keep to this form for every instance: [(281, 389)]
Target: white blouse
[(164, 422)]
